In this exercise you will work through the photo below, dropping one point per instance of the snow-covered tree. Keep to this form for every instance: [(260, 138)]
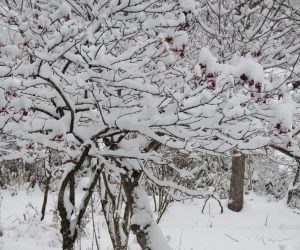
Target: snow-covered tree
[(267, 31), (92, 79), (105, 82)]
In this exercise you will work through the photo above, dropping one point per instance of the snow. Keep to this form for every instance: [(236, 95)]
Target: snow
[(21, 225), (142, 216), (238, 66), (79, 72), (64, 10), (261, 225), (189, 5), (284, 112)]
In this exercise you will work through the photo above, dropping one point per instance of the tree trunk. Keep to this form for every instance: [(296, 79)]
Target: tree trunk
[(236, 192), (69, 236), (72, 190), (143, 225), (65, 230), (295, 182), (47, 187), (111, 201)]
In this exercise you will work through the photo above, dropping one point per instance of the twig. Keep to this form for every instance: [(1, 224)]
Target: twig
[(220, 204), (206, 200), (282, 240), (1, 200), (296, 212), (231, 238), (179, 246), (202, 211), (266, 222), (94, 227)]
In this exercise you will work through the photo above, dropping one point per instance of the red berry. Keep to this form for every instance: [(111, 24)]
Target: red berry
[(184, 26), (212, 85), (67, 17), (251, 83), (169, 39), (244, 77), (258, 87), (210, 75), (168, 66), (282, 131), (60, 136), (202, 66)]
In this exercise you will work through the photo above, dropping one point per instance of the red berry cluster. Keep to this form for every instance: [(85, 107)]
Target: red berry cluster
[(196, 78), (24, 112), (256, 53), (169, 40), (29, 146), (10, 93), (168, 66), (281, 130), (209, 77), (184, 26), (280, 96), (67, 18), (245, 80), (2, 110), (12, 20), (202, 66), (59, 137), (179, 51)]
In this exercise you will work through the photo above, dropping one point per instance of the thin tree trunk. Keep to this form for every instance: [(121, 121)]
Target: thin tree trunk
[(72, 190), (47, 187), (129, 184), (236, 192), (143, 224), (68, 236), (117, 228), (295, 182)]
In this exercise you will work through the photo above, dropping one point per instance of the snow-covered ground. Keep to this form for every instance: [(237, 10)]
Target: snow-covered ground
[(261, 225)]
